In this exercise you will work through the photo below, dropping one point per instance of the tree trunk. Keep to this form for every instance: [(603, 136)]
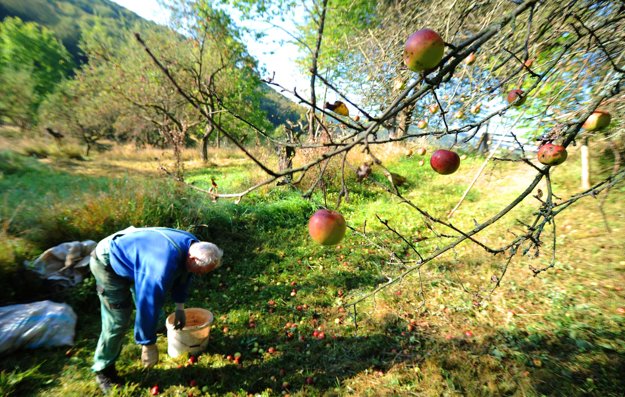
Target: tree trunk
[(312, 126), (404, 118), (585, 157), (482, 145), (209, 130)]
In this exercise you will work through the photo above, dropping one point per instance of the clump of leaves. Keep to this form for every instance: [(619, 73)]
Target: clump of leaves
[(10, 381)]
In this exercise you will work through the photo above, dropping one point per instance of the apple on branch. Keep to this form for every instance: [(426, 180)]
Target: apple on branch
[(327, 227), (424, 50), (598, 120), (471, 59), (445, 162), (516, 97), (550, 154)]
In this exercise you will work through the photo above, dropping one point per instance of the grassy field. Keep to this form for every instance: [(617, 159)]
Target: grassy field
[(561, 333)]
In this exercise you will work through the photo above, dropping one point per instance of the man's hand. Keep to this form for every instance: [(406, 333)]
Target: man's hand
[(149, 355), (180, 319)]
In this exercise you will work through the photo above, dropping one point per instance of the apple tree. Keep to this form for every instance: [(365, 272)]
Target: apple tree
[(500, 62)]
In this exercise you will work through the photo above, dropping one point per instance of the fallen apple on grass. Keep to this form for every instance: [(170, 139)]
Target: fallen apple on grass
[(424, 50), (327, 227), (154, 390), (550, 154), (445, 162)]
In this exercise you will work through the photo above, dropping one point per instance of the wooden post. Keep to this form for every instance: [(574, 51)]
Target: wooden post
[(585, 157)]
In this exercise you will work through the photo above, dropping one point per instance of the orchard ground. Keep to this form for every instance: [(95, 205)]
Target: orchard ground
[(278, 300)]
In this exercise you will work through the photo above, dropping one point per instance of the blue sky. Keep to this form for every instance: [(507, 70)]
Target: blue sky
[(272, 51)]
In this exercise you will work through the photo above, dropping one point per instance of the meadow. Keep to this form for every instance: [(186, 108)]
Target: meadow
[(441, 331)]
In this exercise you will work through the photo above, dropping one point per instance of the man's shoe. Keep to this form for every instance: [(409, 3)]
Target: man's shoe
[(107, 379)]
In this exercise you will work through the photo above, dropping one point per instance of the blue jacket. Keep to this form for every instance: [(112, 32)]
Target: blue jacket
[(155, 260)]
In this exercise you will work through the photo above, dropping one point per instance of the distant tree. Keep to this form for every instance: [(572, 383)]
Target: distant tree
[(17, 97), (210, 63), (80, 110), (32, 63)]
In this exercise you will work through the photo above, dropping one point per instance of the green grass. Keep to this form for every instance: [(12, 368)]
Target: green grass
[(558, 334)]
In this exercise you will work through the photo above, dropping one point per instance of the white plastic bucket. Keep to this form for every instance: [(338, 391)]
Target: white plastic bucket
[(193, 338)]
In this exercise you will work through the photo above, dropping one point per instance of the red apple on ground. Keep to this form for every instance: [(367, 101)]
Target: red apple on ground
[(550, 154), (598, 120), (192, 383), (422, 124), (154, 390), (327, 227), (424, 50), (471, 59), (421, 151), (192, 360), (516, 97), (445, 162)]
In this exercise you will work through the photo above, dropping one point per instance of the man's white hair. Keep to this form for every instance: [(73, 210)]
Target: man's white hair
[(206, 253)]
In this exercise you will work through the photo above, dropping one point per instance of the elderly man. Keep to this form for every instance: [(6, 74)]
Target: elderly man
[(143, 264)]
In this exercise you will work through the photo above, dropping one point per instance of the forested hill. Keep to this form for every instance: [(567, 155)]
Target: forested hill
[(65, 17)]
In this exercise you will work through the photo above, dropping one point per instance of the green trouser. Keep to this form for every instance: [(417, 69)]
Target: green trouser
[(116, 301)]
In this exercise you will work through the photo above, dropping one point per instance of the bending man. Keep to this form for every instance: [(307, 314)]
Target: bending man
[(143, 264)]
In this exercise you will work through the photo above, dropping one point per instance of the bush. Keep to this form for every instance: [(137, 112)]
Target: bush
[(37, 150)]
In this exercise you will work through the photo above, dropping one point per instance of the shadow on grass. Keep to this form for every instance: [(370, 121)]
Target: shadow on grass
[(552, 364)]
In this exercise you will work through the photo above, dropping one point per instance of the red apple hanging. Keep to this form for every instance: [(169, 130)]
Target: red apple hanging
[(424, 50), (550, 154), (516, 97), (327, 227), (445, 162), (598, 120)]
